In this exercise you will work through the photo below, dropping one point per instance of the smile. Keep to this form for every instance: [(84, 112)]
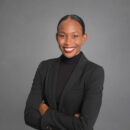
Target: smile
[(69, 49)]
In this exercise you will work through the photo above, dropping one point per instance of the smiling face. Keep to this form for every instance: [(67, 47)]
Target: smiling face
[(70, 37)]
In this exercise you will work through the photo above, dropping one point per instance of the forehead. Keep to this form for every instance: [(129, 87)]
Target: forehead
[(70, 25)]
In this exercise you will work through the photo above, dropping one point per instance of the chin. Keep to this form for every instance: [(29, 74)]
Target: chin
[(68, 55)]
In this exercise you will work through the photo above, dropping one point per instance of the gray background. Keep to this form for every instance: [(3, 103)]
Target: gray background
[(27, 36)]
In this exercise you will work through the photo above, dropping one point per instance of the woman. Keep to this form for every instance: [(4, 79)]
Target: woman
[(66, 93)]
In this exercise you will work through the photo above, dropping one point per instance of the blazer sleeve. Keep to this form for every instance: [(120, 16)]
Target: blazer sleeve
[(89, 109), (32, 116)]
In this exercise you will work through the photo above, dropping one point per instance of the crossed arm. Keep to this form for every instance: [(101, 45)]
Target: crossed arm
[(38, 115), (44, 107)]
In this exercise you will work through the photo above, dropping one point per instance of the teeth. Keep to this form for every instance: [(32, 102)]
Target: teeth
[(69, 49)]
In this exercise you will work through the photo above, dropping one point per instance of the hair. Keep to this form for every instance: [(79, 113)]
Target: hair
[(74, 17)]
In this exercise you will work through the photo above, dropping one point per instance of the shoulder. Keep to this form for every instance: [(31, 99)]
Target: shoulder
[(46, 63), (94, 76), (44, 66), (94, 71), (91, 66), (94, 66)]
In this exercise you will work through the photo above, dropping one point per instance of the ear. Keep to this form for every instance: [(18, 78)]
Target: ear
[(85, 36)]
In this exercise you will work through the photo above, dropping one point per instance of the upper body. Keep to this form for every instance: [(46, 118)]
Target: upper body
[(81, 93)]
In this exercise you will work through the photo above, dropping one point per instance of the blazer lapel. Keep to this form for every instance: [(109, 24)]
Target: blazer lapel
[(51, 82), (76, 73), (52, 78)]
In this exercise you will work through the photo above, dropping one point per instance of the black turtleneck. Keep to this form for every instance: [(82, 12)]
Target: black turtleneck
[(66, 67)]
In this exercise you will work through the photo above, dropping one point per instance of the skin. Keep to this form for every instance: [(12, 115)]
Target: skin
[(43, 108), (69, 35)]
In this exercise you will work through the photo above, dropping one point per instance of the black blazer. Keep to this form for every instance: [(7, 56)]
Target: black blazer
[(82, 94)]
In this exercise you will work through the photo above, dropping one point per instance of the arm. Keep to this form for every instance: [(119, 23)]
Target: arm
[(32, 116), (89, 109)]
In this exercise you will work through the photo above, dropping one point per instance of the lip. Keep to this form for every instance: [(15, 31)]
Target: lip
[(68, 47), (69, 51)]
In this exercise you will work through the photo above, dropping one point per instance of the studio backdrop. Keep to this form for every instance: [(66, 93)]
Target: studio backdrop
[(27, 36)]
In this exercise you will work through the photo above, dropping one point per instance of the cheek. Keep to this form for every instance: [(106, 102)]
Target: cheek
[(61, 42), (78, 42)]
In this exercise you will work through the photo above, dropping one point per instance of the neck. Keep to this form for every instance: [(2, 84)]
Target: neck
[(73, 59)]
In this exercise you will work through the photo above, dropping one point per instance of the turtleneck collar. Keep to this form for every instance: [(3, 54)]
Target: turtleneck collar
[(73, 59)]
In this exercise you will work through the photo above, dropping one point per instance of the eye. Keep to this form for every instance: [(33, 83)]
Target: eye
[(61, 35), (75, 36)]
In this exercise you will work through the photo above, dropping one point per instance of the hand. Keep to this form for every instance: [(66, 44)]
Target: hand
[(77, 115), (42, 108)]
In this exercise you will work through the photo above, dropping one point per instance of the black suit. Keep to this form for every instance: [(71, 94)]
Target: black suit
[(82, 94)]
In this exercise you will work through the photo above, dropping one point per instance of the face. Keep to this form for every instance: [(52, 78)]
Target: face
[(70, 37)]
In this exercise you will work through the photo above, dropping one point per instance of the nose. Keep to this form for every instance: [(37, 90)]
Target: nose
[(68, 40)]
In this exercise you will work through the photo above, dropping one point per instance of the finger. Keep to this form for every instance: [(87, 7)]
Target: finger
[(77, 115)]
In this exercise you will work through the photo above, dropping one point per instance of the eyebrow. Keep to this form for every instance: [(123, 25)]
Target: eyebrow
[(64, 32)]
